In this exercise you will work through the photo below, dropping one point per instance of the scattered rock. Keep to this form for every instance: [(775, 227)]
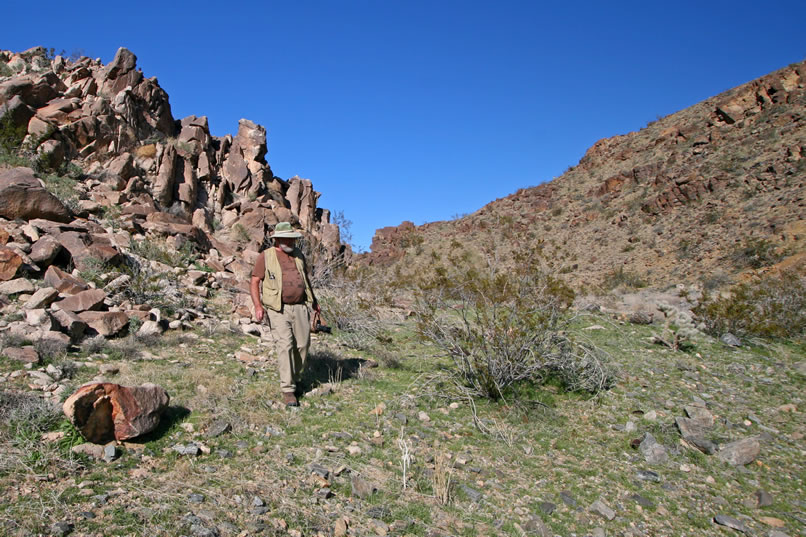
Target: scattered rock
[(740, 452), (648, 475), (60, 529), (191, 450), (772, 521), (106, 323), (16, 286), (763, 498), (340, 527), (25, 354), (730, 522), (547, 507), (42, 298), (217, 428), (361, 487), (730, 340), (643, 502), (654, 453), (568, 499), (473, 495), (601, 509)]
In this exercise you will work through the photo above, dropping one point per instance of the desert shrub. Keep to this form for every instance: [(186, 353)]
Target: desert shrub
[(63, 188), (502, 327), (93, 270), (149, 249), (94, 345), (26, 415), (51, 349), (146, 151), (324, 269), (773, 306), (622, 278), (755, 254), (351, 303), (23, 419)]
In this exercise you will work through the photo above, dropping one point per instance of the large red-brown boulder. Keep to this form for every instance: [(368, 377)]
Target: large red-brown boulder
[(106, 411), (64, 282), (106, 323), (10, 261), (91, 299), (23, 196)]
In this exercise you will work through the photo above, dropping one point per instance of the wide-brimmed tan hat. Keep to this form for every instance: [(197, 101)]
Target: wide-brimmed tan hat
[(283, 230)]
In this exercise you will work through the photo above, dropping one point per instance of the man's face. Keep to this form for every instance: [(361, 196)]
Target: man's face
[(285, 244)]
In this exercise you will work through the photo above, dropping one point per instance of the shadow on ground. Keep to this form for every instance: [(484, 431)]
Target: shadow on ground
[(173, 415), (326, 366)]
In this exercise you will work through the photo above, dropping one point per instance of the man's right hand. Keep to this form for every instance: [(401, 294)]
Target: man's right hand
[(259, 313)]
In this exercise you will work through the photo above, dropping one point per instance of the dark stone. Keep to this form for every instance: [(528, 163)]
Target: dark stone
[(547, 507), (730, 522), (190, 449), (61, 529), (568, 499), (196, 498), (643, 502), (648, 475), (730, 340), (319, 470), (217, 428), (703, 444), (763, 498), (472, 494)]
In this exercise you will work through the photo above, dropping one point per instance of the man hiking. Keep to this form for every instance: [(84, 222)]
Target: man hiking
[(281, 290)]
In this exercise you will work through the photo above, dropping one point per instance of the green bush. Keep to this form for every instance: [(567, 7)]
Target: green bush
[(774, 306), (505, 326), (185, 256), (622, 278), (756, 254)]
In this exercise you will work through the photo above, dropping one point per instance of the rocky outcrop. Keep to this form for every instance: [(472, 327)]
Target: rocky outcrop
[(117, 125), (672, 202), (142, 183)]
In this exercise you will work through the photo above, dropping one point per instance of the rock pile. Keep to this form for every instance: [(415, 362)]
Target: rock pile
[(141, 179)]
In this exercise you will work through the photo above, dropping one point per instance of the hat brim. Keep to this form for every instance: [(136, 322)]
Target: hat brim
[(286, 235)]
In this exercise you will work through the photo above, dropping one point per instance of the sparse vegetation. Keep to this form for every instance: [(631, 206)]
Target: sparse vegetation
[(505, 327), (772, 306), (755, 254), (622, 277)]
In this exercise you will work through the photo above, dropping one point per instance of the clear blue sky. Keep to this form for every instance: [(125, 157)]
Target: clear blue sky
[(421, 110)]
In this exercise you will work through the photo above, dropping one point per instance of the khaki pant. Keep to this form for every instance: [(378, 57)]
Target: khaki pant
[(291, 330)]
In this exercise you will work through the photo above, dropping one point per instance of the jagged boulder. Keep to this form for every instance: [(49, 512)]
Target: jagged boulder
[(23, 196), (106, 411)]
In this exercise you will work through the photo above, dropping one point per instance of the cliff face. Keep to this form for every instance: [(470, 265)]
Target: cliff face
[(690, 197), (117, 126)]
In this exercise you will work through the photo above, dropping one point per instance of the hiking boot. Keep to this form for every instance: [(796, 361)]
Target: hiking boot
[(290, 399)]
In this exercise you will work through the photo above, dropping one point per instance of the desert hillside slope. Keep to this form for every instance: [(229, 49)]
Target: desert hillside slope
[(698, 196)]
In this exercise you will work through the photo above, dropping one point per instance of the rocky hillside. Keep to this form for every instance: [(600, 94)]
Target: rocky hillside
[(98, 180), (702, 195)]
